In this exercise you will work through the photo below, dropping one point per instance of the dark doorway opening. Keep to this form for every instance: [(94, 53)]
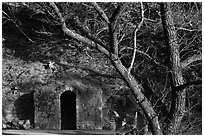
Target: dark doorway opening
[(68, 110)]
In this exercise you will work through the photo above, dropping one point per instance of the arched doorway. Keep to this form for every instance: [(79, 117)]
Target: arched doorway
[(68, 110)]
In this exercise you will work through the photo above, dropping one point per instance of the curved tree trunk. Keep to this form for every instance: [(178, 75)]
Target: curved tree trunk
[(139, 96), (177, 109), (124, 72)]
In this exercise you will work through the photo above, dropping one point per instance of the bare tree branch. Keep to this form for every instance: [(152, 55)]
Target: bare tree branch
[(147, 56), (14, 22), (186, 29), (185, 85), (112, 28), (113, 39), (135, 38), (190, 60), (153, 21), (117, 12), (121, 38), (49, 15), (76, 35), (101, 12), (88, 33)]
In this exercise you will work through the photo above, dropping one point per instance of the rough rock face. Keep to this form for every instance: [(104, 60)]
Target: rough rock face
[(17, 124)]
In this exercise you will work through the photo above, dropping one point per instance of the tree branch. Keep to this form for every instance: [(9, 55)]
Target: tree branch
[(112, 28), (88, 33), (181, 87), (190, 60), (135, 38), (117, 12), (147, 56), (14, 22), (101, 12), (186, 29), (151, 95), (78, 36)]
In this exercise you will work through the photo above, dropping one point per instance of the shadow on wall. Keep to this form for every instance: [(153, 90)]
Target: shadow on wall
[(24, 108)]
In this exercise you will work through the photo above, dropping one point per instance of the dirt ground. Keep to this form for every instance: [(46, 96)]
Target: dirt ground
[(55, 132), (69, 132)]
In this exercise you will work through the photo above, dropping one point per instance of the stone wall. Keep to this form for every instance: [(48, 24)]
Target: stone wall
[(47, 109), (18, 110), (88, 106)]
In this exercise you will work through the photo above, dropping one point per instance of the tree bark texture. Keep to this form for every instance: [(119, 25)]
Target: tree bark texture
[(177, 109), (139, 96)]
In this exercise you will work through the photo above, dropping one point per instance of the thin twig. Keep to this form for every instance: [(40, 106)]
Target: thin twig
[(88, 33), (121, 38), (147, 56), (153, 21), (10, 19), (186, 29), (164, 95)]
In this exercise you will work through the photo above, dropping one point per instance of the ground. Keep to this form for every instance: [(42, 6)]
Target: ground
[(68, 132), (61, 132)]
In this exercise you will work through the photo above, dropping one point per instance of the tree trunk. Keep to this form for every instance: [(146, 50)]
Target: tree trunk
[(139, 96), (177, 109), (129, 79)]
